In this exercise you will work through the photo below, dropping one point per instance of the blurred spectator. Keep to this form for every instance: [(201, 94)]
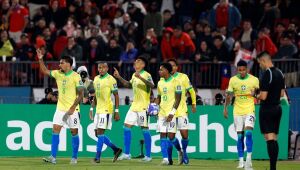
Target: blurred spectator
[(118, 36), (168, 19), (87, 82), (137, 16), (270, 14), (241, 54), (136, 3), (7, 46), (49, 37), (167, 5), (70, 27), (150, 45), (94, 52), (73, 49), (113, 51), (56, 14), (5, 6), (248, 36), (182, 44), (166, 46), (39, 27), (129, 54), (264, 43), (60, 44), (153, 20), (203, 53), (206, 35), (185, 10), (287, 49), (224, 14), (110, 9), (227, 38), (279, 30), (51, 97), (220, 52), (25, 50), (219, 99), (18, 19), (118, 18)]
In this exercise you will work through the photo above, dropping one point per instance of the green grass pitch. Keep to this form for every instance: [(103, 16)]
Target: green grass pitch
[(11, 163)]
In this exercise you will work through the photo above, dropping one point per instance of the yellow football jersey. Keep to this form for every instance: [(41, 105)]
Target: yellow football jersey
[(67, 84), (167, 90), (186, 85), (104, 87), (141, 92), (243, 104)]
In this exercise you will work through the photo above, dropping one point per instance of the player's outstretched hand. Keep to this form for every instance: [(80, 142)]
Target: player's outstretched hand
[(193, 108), (169, 118), (116, 73), (39, 54), (91, 115), (225, 113), (116, 116)]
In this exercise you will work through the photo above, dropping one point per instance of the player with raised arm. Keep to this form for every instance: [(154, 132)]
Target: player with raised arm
[(241, 86), (168, 99), (181, 116), (141, 84), (70, 91), (105, 85)]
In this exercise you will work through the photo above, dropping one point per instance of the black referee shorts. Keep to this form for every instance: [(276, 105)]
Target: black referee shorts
[(269, 118)]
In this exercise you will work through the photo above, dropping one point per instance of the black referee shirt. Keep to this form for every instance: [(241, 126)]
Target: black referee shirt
[(272, 81)]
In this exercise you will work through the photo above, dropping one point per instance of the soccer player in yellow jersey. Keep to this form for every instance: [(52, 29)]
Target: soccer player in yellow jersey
[(241, 87), (168, 99), (105, 85), (182, 120), (141, 84), (70, 93)]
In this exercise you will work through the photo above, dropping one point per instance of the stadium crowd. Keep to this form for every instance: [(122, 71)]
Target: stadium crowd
[(120, 30)]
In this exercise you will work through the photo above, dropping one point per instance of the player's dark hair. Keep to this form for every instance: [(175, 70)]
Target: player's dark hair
[(68, 59), (167, 66), (263, 54), (242, 63), (173, 60), (144, 59)]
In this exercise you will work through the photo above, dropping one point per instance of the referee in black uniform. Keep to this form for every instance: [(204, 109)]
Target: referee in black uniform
[(271, 89)]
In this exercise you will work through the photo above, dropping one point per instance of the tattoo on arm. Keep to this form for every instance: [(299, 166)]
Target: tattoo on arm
[(177, 100), (79, 97)]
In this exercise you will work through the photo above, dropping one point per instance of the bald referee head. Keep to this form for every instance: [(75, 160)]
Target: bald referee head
[(264, 60)]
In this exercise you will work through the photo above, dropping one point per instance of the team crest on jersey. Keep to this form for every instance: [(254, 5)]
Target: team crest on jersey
[(178, 88), (64, 82), (165, 90), (243, 87)]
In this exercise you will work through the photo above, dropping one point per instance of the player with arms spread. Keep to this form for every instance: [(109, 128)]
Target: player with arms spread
[(241, 86), (168, 99), (70, 91), (105, 85), (141, 84)]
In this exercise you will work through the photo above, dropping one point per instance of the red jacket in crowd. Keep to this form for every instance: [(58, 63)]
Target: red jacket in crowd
[(183, 45), (265, 44)]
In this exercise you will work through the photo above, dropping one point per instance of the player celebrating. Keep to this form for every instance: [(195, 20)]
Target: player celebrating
[(241, 86), (181, 115), (105, 85), (70, 90), (168, 99), (141, 83)]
